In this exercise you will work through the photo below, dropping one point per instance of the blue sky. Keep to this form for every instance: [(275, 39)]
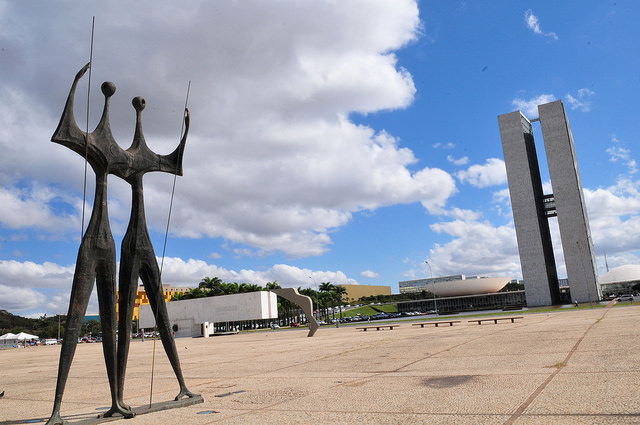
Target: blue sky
[(331, 141)]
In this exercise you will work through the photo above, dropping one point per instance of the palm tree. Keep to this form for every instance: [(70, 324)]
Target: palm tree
[(209, 282), (212, 286), (230, 288), (195, 293), (325, 289), (272, 285), (313, 294)]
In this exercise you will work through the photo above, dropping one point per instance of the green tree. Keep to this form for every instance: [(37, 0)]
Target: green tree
[(195, 293), (178, 297), (272, 285), (513, 286), (339, 291), (214, 286), (231, 288), (326, 297), (90, 327)]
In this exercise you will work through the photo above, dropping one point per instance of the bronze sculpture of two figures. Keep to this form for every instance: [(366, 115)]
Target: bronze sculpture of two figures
[(97, 254)]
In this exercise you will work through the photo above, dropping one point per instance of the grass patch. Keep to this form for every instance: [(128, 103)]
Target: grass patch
[(557, 365)]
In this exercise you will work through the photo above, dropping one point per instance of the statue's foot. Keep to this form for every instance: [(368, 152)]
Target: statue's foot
[(124, 405), (126, 413), (185, 393), (56, 419)]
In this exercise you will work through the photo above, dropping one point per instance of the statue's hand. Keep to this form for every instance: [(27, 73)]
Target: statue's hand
[(187, 118), (82, 71)]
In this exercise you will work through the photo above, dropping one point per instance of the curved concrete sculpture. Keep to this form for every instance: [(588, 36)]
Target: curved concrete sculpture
[(302, 301)]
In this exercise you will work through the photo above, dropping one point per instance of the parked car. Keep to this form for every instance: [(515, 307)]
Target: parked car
[(626, 297), (50, 341)]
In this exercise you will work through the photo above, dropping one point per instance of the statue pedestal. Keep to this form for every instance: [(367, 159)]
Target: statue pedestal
[(155, 407)]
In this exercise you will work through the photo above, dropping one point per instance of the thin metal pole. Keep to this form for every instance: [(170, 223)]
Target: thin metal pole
[(86, 134), (166, 234), (175, 177)]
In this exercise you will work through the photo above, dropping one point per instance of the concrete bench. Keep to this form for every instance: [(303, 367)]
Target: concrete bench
[(495, 319), (377, 327), (441, 322)]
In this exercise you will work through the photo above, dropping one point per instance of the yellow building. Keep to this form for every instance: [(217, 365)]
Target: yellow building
[(355, 292), (141, 297)]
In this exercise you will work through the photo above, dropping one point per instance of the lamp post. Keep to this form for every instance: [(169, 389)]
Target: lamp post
[(435, 302)]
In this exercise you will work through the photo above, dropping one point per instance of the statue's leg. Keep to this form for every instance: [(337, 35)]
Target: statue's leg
[(150, 275), (81, 288), (106, 285), (128, 288)]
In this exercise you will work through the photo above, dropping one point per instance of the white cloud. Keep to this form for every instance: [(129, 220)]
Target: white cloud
[(492, 173), (35, 206), (20, 299), (369, 274), (530, 107), (619, 153), (476, 248), (581, 100), (272, 161), (439, 145), (459, 161), (26, 286), (532, 23)]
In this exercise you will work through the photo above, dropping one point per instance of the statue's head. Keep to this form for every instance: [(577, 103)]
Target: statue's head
[(108, 88), (138, 103)]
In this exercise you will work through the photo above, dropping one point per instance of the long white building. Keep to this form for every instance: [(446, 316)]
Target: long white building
[(188, 317)]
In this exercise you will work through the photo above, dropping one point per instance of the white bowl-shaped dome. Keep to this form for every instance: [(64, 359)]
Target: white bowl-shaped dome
[(457, 288), (628, 273)]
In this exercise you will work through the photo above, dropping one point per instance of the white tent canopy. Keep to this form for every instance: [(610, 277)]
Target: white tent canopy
[(8, 336), (22, 336), (7, 340)]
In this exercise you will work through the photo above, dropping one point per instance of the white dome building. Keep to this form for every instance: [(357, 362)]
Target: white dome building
[(620, 280)]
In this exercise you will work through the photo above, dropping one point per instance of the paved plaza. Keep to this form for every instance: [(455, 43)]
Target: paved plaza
[(573, 366)]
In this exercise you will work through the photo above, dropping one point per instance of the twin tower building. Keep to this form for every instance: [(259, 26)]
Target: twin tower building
[(532, 208)]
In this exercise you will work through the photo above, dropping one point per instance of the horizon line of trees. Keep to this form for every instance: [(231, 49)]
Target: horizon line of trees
[(327, 295)]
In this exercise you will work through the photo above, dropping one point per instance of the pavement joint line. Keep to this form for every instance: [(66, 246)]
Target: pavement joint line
[(373, 374), (343, 360), (520, 410)]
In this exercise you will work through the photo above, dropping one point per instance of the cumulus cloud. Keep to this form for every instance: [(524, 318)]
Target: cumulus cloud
[(272, 164), (530, 107), (448, 145), (27, 285), (614, 216), (369, 274), (619, 153), (458, 161), (491, 173), (476, 248), (533, 24), (581, 100)]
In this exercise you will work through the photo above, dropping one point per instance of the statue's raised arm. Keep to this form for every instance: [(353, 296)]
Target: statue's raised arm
[(143, 159), (68, 133), (172, 163)]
